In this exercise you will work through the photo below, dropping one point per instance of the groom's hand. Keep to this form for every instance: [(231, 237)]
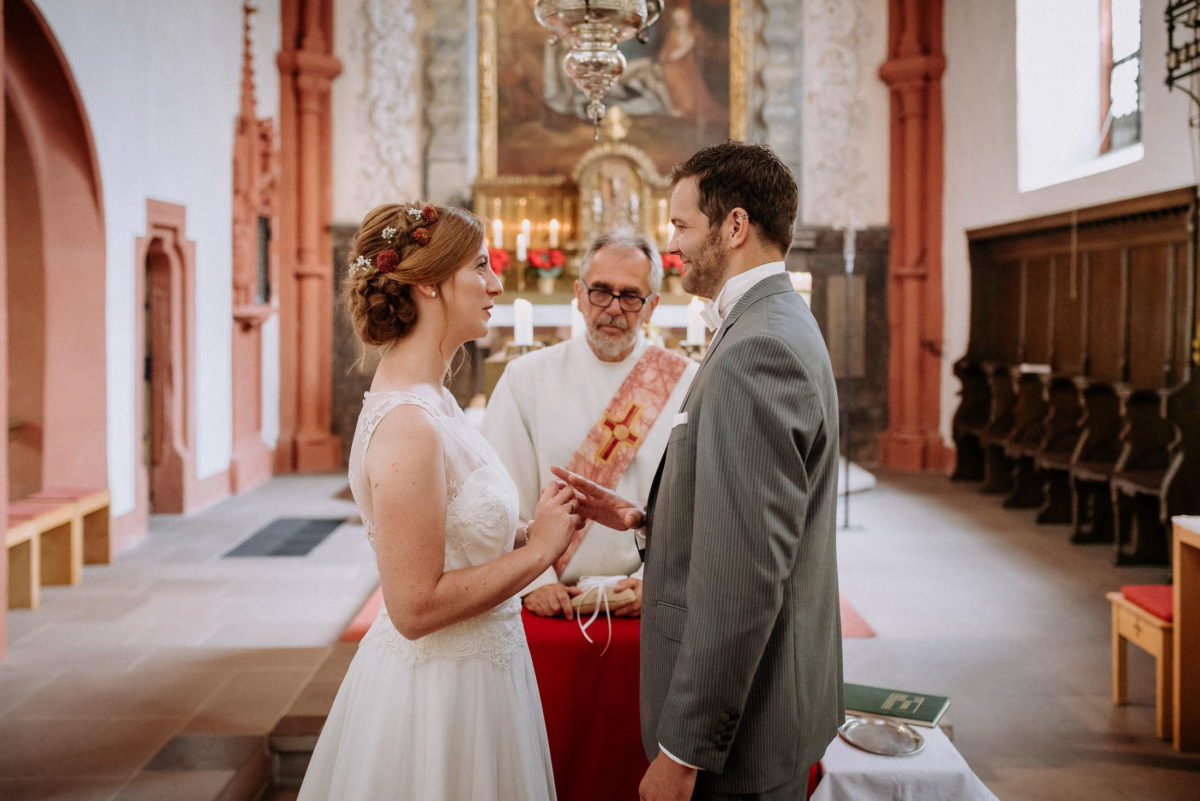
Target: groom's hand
[(667, 780), (602, 504)]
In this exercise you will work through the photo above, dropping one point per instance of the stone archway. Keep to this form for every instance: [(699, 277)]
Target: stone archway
[(56, 381), (53, 224)]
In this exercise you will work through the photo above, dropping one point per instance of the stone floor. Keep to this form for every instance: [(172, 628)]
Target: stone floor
[(157, 677)]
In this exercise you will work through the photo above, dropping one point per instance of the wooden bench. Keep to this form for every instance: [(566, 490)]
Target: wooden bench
[(24, 565), (92, 506), (59, 532), (1152, 631)]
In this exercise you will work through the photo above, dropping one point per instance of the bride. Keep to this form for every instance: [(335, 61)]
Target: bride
[(440, 701)]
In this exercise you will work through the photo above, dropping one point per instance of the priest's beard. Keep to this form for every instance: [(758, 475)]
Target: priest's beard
[(706, 271), (610, 348)]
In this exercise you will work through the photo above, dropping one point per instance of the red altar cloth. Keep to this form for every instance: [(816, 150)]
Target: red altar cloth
[(591, 706)]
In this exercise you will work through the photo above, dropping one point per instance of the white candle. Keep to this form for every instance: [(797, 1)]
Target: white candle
[(849, 244), (522, 322), (497, 234), (526, 229), (577, 323), (695, 325), (522, 246), (554, 233)]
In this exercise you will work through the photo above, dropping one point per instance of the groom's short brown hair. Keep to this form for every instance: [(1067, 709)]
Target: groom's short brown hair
[(749, 176)]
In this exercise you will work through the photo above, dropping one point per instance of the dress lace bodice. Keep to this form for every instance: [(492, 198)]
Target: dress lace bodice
[(481, 516)]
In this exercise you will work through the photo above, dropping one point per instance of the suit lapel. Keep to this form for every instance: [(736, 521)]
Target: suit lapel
[(771, 285)]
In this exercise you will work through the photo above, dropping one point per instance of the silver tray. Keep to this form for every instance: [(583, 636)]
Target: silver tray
[(879, 736)]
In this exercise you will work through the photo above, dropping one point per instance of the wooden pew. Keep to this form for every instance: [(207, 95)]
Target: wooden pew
[(1063, 430), (1092, 464), (1028, 432), (970, 419), (997, 466), (1151, 452)]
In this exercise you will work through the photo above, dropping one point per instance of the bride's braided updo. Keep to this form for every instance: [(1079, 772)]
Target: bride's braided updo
[(398, 246)]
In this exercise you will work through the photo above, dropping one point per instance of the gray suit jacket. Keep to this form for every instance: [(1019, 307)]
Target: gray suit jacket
[(741, 656)]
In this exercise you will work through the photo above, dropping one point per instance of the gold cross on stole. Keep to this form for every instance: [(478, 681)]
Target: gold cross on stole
[(620, 431)]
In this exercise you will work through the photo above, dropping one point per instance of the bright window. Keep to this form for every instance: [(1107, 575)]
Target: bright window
[(1121, 61), (1078, 89)]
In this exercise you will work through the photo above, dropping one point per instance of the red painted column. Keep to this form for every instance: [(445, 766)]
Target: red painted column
[(307, 69), (913, 72), (3, 369)]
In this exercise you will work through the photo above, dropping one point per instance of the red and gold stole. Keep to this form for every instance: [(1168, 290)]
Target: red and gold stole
[(607, 451)]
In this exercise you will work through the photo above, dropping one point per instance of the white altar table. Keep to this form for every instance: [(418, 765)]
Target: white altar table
[(936, 773)]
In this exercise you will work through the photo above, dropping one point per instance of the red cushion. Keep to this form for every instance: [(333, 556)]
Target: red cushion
[(1154, 598)]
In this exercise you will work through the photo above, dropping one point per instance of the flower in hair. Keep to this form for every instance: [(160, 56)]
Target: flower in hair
[(389, 233), (429, 215), (386, 261), (360, 265), (415, 215), (421, 236)]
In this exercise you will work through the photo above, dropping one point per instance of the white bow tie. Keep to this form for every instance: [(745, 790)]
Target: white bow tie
[(710, 316)]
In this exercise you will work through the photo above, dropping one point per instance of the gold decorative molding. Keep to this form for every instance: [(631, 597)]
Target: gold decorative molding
[(739, 45), (488, 90)]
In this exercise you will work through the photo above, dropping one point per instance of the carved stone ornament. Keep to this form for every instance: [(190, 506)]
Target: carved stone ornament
[(392, 100), (836, 111)]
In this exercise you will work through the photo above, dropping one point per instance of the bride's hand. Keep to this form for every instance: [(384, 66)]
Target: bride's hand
[(555, 520), (601, 504)]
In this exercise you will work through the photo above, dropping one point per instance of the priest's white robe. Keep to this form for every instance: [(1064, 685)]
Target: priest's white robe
[(541, 409)]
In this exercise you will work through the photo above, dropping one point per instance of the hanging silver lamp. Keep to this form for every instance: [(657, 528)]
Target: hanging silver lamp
[(592, 30)]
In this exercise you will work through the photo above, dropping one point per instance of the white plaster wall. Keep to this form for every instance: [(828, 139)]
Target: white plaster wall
[(981, 149), (845, 119), (160, 84)]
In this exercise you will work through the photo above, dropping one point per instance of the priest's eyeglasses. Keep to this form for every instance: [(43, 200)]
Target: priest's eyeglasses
[(629, 302)]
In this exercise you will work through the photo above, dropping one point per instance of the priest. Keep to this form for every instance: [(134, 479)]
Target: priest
[(602, 404)]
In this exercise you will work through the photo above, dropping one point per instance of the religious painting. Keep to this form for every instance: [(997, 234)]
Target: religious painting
[(680, 90)]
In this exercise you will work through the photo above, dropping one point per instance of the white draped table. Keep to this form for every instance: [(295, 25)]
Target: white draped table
[(936, 773)]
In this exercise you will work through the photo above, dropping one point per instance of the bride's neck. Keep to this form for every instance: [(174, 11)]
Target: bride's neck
[(416, 359)]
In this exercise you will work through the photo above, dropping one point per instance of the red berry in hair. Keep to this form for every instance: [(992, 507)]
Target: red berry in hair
[(421, 236), (386, 261), (429, 215)]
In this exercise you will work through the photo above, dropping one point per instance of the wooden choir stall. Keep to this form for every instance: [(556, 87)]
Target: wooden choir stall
[(1079, 384)]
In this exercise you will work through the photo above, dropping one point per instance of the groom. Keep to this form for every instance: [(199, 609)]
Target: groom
[(741, 675)]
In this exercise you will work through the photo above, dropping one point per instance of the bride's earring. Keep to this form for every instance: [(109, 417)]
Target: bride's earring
[(433, 294)]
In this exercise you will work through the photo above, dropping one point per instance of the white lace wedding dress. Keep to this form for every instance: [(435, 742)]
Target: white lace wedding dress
[(455, 715)]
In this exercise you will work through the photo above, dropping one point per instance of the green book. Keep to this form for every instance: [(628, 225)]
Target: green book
[(902, 706)]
